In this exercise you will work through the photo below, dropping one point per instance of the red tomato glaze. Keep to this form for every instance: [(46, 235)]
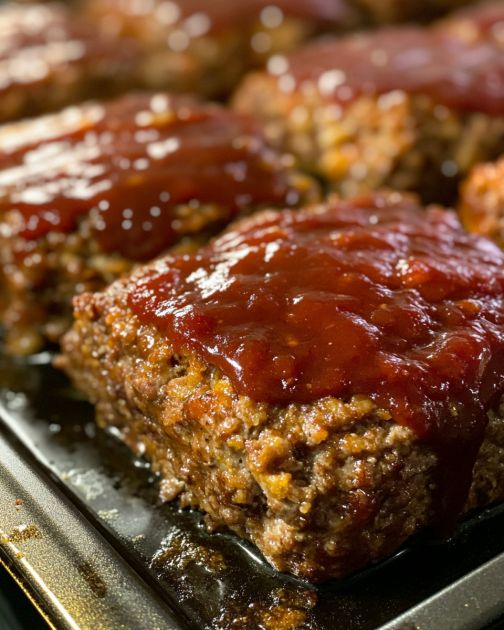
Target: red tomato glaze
[(465, 74), (129, 163)]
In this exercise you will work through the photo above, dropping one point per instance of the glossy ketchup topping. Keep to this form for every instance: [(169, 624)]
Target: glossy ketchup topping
[(129, 164), (373, 297), (465, 74)]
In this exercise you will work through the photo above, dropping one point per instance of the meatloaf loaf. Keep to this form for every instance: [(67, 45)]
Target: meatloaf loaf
[(87, 192), (482, 201), (50, 58), (325, 382), (201, 46), (413, 108)]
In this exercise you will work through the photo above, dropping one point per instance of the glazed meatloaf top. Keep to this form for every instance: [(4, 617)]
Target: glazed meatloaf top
[(443, 62), (373, 297), (127, 166)]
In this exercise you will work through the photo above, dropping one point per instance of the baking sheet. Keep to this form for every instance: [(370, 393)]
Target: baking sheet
[(129, 561)]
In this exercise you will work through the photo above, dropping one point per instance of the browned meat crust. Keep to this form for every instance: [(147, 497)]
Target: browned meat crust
[(321, 488), (482, 201), (60, 167)]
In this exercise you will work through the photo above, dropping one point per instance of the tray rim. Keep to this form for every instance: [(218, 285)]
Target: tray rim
[(20, 459), (68, 603)]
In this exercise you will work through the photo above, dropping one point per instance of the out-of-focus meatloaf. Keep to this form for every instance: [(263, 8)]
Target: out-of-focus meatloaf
[(50, 58), (321, 381), (413, 108), (482, 201), (204, 47), (52, 55), (87, 192)]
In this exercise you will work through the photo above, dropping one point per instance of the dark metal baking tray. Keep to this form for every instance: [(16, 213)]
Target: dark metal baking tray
[(83, 532)]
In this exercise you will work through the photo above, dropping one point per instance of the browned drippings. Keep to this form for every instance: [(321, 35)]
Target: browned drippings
[(179, 550), (21, 534), (92, 578)]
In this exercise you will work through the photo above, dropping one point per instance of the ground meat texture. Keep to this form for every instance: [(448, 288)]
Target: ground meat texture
[(86, 193), (325, 485), (482, 201), (50, 58), (405, 107)]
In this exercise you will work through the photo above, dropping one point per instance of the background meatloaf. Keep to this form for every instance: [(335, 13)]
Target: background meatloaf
[(50, 58), (328, 484), (482, 201), (86, 193), (55, 53), (205, 47), (367, 110)]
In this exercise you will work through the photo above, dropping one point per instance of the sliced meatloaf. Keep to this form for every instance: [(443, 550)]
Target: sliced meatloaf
[(86, 193), (324, 382), (413, 108)]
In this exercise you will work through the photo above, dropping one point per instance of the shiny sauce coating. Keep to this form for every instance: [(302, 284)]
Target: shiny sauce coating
[(374, 297), (464, 74), (129, 164)]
